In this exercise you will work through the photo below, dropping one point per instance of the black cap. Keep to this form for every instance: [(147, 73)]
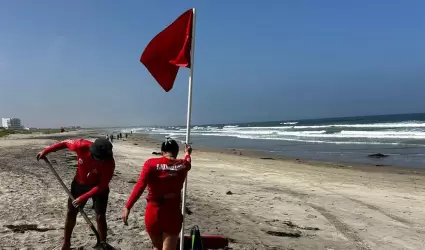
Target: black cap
[(170, 146), (101, 149)]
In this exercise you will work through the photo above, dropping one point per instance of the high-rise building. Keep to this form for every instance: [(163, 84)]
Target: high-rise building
[(5, 122), (11, 123), (15, 123)]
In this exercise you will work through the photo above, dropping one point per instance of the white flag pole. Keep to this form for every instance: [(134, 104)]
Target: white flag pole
[(189, 113)]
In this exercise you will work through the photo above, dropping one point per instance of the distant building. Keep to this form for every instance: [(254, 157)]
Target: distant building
[(15, 123), (74, 127), (11, 123), (5, 122)]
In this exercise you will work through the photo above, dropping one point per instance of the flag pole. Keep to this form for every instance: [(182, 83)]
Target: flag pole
[(189, 113)]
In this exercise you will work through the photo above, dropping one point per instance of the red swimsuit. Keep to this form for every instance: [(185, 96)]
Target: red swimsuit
[(164, 179)]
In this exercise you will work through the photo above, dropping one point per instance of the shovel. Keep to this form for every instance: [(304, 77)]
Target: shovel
[(99, 244)]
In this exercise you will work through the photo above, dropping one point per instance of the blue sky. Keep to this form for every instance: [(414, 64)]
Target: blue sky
[(77, 62)]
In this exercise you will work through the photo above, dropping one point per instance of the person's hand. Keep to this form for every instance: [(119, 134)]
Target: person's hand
[(41, 155), (76, 202), (187, 149), (125, 213)]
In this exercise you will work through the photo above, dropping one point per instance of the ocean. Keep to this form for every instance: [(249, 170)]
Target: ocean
[(341, 140)]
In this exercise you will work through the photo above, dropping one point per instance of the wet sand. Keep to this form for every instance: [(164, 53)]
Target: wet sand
[(256, 201)]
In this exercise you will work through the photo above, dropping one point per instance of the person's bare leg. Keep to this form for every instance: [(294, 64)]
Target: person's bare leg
[(156, 241), (169, 241), (71, 217), (102, 227)]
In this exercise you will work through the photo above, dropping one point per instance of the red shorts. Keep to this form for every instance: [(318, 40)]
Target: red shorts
[(164, 218)]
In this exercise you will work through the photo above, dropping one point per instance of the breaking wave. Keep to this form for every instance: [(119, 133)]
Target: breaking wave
[(371, 133)]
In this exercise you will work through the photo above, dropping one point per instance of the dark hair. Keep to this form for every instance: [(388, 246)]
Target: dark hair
[(102, 149), (170, 146)]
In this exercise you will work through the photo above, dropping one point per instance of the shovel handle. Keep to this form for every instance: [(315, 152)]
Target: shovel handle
[(59, 178), (86, 218)]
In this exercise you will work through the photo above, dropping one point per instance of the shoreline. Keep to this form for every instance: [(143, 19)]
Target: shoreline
[(136, 137)]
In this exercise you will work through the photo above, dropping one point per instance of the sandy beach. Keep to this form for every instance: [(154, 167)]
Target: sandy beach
[(257, 203)]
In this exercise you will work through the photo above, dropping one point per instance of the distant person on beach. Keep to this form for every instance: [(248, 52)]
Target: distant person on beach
[(111, 137), (95, 169), (126, 135), (164, 178)]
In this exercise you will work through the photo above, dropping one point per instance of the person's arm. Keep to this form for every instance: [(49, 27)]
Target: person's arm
[(187, 161), (72, 145), (105, 178), (140, 186)]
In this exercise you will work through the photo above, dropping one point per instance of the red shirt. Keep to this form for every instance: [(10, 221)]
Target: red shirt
[(164, 178), (89, 170)]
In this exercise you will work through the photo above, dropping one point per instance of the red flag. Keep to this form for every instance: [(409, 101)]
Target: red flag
[(169, 50)]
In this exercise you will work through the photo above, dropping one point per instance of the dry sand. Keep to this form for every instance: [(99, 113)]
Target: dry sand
[(272, 204)]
